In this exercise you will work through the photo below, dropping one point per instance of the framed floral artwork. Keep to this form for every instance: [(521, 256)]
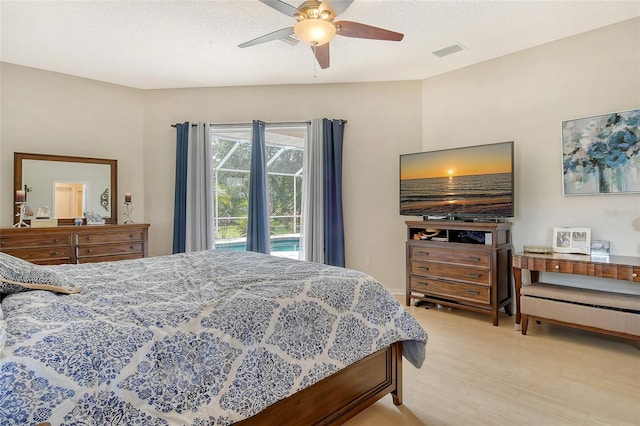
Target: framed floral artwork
[(601, 154)]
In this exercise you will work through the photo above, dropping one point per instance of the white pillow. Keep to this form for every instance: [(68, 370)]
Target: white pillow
[(18, 275)]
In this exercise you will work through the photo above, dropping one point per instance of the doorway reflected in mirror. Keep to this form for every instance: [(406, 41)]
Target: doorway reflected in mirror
[(70, 199)]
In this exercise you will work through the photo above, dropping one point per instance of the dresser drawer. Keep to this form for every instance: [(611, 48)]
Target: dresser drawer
[(43, 255), (108, 237), (110, 258), (466, 257), (451, 290), (76, 244), (109, 249), (450, 271), (36, 240)]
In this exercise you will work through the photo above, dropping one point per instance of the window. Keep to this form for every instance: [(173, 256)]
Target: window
[(231, 163)]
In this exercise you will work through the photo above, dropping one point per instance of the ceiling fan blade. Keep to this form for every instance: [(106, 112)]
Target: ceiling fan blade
[(281, 6), (276, 35), (322, 55), (337, 6), (358, 30)]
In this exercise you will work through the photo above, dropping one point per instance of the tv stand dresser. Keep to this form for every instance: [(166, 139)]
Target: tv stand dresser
[(76, 244), (466, 265)]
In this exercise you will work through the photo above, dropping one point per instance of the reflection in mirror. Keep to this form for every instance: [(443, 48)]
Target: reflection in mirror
[(70, 199), (65, 187)]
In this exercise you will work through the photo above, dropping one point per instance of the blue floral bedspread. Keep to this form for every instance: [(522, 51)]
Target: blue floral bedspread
[(206, 338)]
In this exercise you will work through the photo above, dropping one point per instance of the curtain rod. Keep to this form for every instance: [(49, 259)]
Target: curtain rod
[(282, 123), (276, 124)]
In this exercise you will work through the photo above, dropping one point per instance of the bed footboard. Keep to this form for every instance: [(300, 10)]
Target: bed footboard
[(339, 397)]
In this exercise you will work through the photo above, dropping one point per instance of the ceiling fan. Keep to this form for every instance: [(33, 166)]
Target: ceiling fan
[(315, 27)]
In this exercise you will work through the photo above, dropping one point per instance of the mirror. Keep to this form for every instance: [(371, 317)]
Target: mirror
[(64, 187)]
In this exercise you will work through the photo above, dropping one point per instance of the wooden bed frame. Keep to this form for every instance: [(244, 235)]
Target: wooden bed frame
[(339, 397)]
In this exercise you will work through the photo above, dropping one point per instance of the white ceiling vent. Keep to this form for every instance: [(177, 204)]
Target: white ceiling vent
[(448, 50)]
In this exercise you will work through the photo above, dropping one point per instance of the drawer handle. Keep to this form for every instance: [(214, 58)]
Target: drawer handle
[(426, 253), (90, 251), (634, 275), (89, 238), (474, 275), (132, 236), (3, 243), (556, 266), (423, 282), (131, 247), (424, 268), (55, 253), (475, 259), (56, 240), (475, 293)]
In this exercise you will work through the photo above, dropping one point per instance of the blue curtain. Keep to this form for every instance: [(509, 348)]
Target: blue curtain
[(258, 223), (180, 197), (332, 137)]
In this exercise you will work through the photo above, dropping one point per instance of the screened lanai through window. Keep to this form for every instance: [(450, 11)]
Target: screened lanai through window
[(231, 161)]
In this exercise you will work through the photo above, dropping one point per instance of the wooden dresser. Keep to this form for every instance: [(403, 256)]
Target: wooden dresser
[(467, 266), (76, 244)]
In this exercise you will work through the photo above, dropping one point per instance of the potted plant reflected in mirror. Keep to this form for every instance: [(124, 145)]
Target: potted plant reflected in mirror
[(94, 218)]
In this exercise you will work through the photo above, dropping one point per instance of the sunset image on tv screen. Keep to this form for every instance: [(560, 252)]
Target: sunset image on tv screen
[(470, 181)]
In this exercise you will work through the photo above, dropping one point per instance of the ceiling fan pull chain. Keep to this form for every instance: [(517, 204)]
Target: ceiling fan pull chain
[(315, 75)]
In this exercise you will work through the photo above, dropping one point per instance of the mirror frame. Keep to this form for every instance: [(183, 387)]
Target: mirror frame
[(18, 157)]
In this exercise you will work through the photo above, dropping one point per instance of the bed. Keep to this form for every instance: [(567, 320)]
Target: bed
[(204, 338)]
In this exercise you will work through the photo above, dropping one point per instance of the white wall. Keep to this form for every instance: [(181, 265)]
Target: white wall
[(383, 121), (50, 113), (521, 97), (524, 97)]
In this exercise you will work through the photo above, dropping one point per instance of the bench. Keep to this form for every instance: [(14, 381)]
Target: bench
[(595, 310)]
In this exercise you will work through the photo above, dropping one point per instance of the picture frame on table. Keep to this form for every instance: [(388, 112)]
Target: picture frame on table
[(600, 250), (601, 154), (572, 240)]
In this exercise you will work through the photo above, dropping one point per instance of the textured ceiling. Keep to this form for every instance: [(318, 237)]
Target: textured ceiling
[(172, 44)]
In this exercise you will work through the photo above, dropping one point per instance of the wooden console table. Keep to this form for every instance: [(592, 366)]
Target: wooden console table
[(625, 268)]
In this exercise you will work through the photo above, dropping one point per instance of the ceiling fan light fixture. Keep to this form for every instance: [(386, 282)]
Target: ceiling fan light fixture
[(315, 26), (315, 32)]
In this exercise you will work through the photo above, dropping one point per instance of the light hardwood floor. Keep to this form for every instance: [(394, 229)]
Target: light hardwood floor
[(478, 374)]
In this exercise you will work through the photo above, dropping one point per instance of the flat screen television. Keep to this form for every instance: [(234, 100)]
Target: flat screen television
[(473, 182)]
